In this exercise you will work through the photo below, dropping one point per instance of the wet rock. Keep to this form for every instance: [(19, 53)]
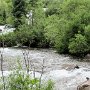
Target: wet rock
[(70, 66), (87, 58), (87, 78), (77, 67), (85, 85)]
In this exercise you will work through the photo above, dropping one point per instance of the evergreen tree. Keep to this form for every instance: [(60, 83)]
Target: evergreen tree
[(4, 16), (18, 11)]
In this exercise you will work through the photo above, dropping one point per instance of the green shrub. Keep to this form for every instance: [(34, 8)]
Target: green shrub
[(19, 80), (25, 35), (87, 33), (78, 45), (10, 39)]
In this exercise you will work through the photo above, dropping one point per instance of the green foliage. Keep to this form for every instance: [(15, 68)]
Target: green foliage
[(51, 29), (9, 39), (19, 80), (73, 18), (5, 10), (27, 36), (38, 23), (53, 7), (87, 33), (2, 16), (78, 45), (24, 35)]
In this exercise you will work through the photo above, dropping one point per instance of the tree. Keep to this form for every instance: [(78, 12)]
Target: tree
[(9, 15), (2, 12), (53, 7), (74, 16), (37, 21), (33, 6), (18, 11), (6, 11)]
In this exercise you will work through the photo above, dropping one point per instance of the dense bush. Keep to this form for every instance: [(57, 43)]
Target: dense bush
[(78, 45)]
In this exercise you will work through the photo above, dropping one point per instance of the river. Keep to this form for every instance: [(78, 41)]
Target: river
[(59, 68)]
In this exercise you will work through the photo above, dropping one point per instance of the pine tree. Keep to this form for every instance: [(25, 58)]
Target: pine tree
[(18, 11), (4, 16)]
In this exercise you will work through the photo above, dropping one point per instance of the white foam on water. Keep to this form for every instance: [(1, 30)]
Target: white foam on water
[(6, 30), (31, 73), (2, 27), (64, 79), (56, 74), (37, 75), (5, 73), (67, 79)]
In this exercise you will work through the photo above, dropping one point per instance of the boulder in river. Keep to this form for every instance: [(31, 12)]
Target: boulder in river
[(84, 86), (70, 66)]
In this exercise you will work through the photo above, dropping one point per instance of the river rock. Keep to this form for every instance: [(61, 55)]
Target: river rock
[(70, 66), (84, 86)]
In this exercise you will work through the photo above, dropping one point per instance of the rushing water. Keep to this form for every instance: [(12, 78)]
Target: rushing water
[(59, 68), (4, 29)]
